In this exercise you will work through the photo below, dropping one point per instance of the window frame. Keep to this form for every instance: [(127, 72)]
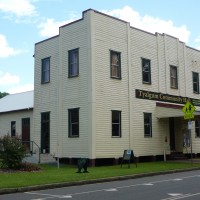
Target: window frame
[(149, 116), (45, 129), (13, 128), (71, 65), (194, 82), (45, 73), (174, 78), (70, 123), (113, 124), (117, 66), (197, 129), (143, 60)]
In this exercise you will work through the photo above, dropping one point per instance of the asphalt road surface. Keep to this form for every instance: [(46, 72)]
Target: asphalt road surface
[(183, 185)]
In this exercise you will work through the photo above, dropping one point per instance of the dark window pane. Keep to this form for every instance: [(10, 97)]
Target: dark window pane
[(146, 71), (195, 77), (173, 77), (74, 116), (116, 123), (115, 64), (73, 63), (45, 70), (13, 128), (115, 130), (197, 128), (147, 125), (73, 122)]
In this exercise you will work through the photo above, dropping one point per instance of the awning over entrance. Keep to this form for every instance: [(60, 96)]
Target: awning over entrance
[(165, 110)]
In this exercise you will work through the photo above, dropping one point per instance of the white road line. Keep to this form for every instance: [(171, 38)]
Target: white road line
[(181, 196), (43, 198), (48, 195), (174, 194), (111, 190), (120, 187), (148, 184), (177, 179)]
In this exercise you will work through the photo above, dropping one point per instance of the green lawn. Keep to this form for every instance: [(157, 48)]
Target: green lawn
[(66, 173)]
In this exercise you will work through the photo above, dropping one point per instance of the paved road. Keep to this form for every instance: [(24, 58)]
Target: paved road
[(183, 185)]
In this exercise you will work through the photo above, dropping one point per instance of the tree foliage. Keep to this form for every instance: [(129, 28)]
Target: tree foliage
[(12, 151), (3, 94)]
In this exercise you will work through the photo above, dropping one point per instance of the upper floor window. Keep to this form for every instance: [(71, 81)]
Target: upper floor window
[(45, 70), (146, 71), (147, 125), (115, 64), (173, 77), (13, 128), (195, 80), (116, 123), (73, 65), (197, 128), (73, 124)]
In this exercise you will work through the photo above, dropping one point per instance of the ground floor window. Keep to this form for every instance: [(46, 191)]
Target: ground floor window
[(73, 122), (197, 128), (147, 125), (13, 128), (116, 123)]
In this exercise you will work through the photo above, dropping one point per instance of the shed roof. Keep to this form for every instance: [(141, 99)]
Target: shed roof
[(16, 102)]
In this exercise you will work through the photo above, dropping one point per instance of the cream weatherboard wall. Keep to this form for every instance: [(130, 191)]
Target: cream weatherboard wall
[(63, 93), (111, 94), (74, 92), (96, 94), (46, 95)]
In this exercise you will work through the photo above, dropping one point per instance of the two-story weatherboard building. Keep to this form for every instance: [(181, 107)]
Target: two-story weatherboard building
[(102, 86)]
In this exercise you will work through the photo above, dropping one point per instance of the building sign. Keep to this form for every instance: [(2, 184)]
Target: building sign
[(157, 96)]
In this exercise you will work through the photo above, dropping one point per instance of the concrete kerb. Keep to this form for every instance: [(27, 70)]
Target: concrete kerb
[(83, 182)]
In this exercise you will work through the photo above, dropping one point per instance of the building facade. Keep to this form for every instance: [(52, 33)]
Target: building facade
[(102, 86), (16, 116)]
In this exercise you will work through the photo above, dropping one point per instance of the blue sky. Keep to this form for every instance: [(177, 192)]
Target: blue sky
[(26, 22)]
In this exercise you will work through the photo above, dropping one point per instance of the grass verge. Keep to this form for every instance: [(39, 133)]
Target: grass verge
[(51, 174)]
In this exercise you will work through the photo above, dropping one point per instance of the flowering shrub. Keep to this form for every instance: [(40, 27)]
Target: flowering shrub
[(12, 151)]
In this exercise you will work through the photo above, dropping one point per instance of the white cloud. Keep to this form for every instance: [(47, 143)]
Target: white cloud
[(22, 88), (197, 40), (151, 24), (8, 79), (197, 43), (5, 49), (11, 83), (17, 7), (50, 27)]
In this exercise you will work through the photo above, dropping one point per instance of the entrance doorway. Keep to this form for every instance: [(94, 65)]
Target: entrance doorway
[(26, 132), (45, 132), (172, 133)]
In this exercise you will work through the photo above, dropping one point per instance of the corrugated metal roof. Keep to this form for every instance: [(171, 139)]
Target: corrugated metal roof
[(19, 101)]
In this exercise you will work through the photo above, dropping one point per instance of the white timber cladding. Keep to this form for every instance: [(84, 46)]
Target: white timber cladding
[(111, 94), (74, 91), (6, 118), (96, 94), (46, 95)]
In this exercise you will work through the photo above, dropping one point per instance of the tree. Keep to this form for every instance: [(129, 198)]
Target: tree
[(3, 94)]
